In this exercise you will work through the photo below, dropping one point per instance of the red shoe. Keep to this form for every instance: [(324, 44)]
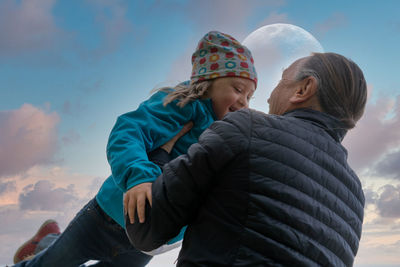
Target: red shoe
[(28, 248)]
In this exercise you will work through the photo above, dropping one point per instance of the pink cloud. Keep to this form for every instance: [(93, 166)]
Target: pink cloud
[(376, 134), (8, 186), (44, 193), (26, 25), (44, 196), (28, 138)]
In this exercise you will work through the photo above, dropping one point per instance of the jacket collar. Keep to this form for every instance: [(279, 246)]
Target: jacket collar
[(323, 120)]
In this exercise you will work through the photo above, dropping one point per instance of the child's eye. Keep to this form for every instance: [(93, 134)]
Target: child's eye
[(238, 89)]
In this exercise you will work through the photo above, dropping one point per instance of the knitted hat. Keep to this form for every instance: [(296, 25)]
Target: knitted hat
[(220, 55)]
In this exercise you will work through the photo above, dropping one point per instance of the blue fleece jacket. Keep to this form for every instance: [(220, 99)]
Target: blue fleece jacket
[(138, 132)]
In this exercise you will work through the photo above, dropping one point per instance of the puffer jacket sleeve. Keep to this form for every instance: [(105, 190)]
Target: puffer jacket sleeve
[(178, 193), (138, 132)]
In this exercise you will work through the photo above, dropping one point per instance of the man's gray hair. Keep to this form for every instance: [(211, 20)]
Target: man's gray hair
[(342, 90)]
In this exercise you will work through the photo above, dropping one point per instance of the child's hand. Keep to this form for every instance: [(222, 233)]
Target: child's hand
[(135, 200)]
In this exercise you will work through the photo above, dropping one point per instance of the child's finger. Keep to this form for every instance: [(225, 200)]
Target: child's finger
[(132, 210), (141, 201), (149, 196), (126, 204)]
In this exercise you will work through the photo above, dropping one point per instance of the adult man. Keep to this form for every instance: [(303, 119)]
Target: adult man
[(269, 190)]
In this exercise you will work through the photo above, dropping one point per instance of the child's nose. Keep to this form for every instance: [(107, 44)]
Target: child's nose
[(244, 103)]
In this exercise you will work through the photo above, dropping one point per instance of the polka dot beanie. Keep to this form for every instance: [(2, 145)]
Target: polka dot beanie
[(220, 55)]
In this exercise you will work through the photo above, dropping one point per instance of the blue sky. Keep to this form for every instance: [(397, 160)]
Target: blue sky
[(69, 68)]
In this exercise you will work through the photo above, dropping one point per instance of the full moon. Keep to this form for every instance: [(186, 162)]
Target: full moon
[(274, 47)]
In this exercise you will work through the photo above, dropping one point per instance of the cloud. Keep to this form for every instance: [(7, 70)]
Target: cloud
[(71, 137), (75, 108), (93, 187), (275, 17), (61, 177), (389, 166), (26, 26), (370, 196), (43, 196), (336, 20), (376, 254), (376, 134), (6, 187), (229, 17), (43, 193), (28, 138), (380, 240), (385, 201), (113, 23), (388, 203), (19, 225)]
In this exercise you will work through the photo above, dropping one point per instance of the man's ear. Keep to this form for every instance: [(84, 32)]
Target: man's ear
[(305, 91)]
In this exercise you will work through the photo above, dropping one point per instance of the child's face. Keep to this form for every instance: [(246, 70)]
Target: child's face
[(230, 94)]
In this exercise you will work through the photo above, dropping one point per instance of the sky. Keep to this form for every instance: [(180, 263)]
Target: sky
[(69, 68)]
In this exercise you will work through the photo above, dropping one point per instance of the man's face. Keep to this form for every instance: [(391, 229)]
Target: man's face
[(279, 99)]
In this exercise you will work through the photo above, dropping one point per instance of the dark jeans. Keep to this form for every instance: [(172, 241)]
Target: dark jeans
[(93, 235)]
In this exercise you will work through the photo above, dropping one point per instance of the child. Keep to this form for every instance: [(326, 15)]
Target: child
[(223, 80)]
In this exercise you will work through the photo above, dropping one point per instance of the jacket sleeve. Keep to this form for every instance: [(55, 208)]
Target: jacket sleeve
[(141, 131), (180, 190)]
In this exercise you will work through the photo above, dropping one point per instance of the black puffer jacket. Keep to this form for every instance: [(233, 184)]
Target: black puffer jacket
[(260, 190)]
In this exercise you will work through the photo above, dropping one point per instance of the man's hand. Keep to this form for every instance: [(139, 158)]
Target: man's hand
[(135, 198), (135, 201), (170, 144)]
